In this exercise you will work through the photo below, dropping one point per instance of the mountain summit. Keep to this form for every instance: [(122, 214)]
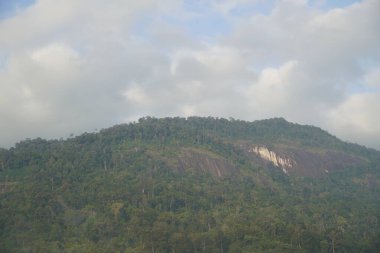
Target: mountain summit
[(191, 185)]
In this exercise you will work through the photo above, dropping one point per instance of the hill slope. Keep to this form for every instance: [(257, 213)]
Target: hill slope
[(191, 185)]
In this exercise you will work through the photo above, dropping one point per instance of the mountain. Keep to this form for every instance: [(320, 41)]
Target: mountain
[(191, 185)]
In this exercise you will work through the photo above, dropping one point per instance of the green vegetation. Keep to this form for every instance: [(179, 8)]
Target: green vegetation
[(151, 186)]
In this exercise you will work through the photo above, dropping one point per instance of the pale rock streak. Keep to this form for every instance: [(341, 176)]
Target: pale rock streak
[(282, 162)]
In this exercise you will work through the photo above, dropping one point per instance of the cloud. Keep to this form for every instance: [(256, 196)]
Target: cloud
[(356, 119), (74, 66), (372, 77), (271, 93), (314, 57), (64, 67)]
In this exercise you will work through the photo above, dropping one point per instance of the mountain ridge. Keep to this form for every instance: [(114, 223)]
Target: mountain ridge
[(191, 185)]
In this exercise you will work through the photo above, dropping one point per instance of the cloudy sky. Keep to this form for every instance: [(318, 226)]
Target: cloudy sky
[(70, 66)]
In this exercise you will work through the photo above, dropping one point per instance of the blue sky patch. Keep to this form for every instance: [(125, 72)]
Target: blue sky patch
[(332, 4), (9, 7)]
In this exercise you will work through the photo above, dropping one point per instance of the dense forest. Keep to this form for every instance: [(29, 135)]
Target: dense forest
[(191, 185)]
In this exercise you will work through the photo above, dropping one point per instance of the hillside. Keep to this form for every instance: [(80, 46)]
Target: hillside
[(191, 185)]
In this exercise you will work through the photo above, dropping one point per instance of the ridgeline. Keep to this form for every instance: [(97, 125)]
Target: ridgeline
[(191, 185)]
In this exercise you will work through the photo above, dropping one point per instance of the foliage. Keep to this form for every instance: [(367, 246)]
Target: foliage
[(120, 190)]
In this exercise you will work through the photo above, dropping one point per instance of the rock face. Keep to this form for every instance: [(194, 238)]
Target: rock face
[(206, 162), (316, 164), (305, 162), (280, 161)]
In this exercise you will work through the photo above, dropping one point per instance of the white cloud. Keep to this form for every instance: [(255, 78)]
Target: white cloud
[(329, 47), (136, 95), (73, 66), (225, 6), (271, 93), (357, 118), (372, 78)]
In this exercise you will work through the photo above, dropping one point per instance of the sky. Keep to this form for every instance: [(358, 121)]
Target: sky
[(74, 66)]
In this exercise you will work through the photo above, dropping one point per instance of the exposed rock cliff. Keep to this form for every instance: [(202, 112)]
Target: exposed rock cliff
[(280, 161), (305, 162), (204, 161)]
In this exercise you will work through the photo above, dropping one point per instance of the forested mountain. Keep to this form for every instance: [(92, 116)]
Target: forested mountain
[(191, 185)]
